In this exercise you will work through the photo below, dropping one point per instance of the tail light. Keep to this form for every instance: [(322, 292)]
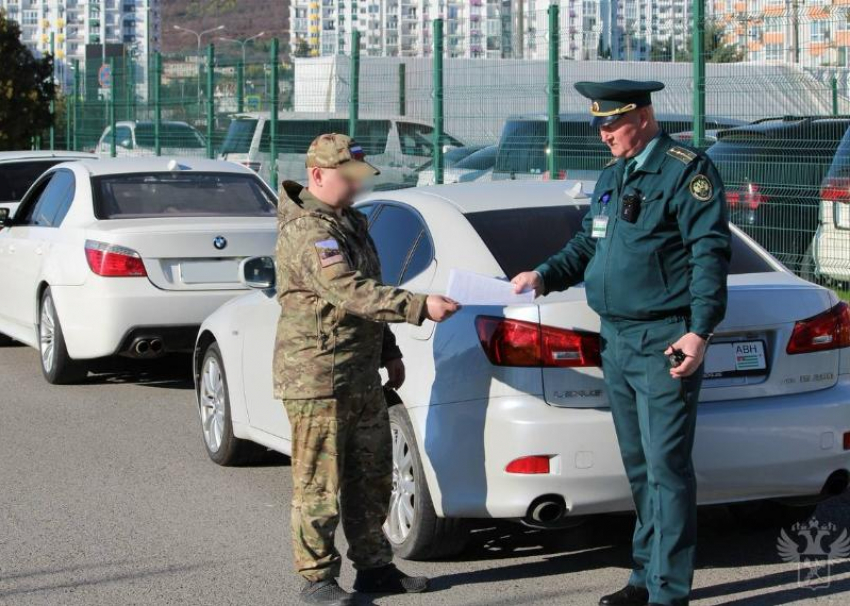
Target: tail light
[(749, 196), (113, 261), (828, 330), (518, 343), (529, 465), (562, 175), (836, 189)]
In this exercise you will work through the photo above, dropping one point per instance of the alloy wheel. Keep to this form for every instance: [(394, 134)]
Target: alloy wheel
[(402, 512), (212, 403), (47, 333)]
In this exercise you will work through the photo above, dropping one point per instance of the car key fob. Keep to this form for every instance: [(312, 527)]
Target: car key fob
[(676, 357)]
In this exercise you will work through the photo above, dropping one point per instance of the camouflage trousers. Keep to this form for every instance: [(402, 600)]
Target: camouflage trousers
[(341, 467)]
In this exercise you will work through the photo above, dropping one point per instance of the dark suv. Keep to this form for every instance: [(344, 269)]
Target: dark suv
[(773, 170)]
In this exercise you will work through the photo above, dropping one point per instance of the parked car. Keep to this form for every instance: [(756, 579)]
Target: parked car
[(127, 257), (396, 145), (477, 166), (504, 414), (138, 138), (524, 145), (773, 170), (829, 255), (20, 169)]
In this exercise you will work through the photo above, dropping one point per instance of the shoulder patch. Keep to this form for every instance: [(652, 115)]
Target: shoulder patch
[(701, 188), (683, 155), (329, 252)]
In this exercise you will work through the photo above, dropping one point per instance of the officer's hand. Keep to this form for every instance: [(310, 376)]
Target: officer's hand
[(693, 346), (526, 281), (439, 308), (395, 370)]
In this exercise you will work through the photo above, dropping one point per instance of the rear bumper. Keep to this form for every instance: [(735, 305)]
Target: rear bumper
[(745, 450), (101, 317)]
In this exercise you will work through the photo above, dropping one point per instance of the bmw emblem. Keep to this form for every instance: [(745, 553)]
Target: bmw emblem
[(220, 242)]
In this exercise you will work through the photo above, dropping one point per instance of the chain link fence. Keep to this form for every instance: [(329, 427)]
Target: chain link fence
[(480, 95)]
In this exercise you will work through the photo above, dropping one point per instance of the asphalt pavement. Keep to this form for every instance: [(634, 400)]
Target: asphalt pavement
[(107, 497)]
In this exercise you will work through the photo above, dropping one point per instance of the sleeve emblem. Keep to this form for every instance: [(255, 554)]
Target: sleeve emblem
[(329, 252), (701, 188)]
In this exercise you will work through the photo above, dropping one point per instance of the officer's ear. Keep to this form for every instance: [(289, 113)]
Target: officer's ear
[(315, 175)]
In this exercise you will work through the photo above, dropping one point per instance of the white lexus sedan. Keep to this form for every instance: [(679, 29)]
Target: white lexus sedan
[(127, 257), (504, 414)]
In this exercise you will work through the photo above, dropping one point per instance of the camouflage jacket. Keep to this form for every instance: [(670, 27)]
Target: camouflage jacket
[(332, 332)]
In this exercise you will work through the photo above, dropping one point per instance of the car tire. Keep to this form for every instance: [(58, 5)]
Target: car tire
[(56, 365), (221, 445), (413, 527), (767, 515)]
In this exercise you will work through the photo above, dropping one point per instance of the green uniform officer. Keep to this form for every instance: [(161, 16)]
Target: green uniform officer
[(653, 252)]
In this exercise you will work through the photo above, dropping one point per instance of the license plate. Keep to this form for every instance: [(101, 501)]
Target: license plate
[(210, 271), (736, 359)]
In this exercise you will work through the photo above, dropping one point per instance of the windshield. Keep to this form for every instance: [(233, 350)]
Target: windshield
[(239, 136), (295, 136), (522, 238), (170, 135), (417, 139), (16, 178), (137, 196)]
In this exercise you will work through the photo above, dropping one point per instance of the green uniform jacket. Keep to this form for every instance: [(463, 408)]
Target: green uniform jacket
[(331, 334), (673, 260)]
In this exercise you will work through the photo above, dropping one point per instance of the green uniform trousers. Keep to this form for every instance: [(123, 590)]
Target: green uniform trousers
[(655, 418), (341, 458)]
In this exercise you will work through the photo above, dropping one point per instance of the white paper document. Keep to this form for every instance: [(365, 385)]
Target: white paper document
[(469, 288)]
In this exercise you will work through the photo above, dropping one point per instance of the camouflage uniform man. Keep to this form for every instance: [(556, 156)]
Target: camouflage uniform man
[(331, 340)]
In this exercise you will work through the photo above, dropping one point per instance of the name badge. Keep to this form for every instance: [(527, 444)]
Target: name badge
[(600, 226)]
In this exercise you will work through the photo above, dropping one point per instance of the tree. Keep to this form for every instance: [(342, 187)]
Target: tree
[(716, 49), (302, 48), (26, 89)]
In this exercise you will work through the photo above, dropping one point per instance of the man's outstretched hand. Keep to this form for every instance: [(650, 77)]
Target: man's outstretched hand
[(439, 308), (528, 280)]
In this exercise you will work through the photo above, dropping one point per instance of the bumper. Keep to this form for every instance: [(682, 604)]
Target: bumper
[(103, 316), (831, 252), (745, 450)]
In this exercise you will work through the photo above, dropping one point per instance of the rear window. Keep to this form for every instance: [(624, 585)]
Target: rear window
[(295, 136), (16, 178), (170, 135), (418, 139), (522, 238), (154, 195), (239, 136)]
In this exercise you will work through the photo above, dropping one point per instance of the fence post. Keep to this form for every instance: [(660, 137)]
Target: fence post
[(130, 66), (354, 84), (240, 87), (699, 73), (437, 144), (210, 100), (69, 112), (53, 98), (113, 133), (553, 91), (402, 89), (157, 103), (273, 115), (834, 85), (77, 102)]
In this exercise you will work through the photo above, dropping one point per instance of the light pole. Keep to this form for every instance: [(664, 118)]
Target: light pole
[(199, 35), (243, 43)]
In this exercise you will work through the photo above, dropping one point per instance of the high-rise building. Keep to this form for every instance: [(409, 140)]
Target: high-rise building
[(74, 24)]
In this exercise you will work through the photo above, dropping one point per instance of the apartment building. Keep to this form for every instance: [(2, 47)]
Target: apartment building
[(811, 33), (73, 24)]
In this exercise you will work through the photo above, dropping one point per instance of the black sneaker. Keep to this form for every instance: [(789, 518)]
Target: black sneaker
[(627, 596), (388, 579), (325, 592)]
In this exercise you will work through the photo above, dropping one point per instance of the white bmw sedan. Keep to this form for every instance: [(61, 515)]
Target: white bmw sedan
[(504, 414), (127, 257)]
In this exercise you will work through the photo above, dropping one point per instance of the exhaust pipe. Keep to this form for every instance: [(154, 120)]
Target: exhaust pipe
[(836, 483), (141, 347), (546, 511), (156, 346), (146, 347)]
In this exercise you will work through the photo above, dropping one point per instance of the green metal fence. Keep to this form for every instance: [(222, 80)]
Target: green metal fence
[(481, 96)]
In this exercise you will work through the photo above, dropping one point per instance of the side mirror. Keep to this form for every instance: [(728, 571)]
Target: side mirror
[(5, 217), (257, 272)]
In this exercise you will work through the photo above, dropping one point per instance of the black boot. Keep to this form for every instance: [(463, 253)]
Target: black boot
[(388, 579), (627, 596), (325, 592)]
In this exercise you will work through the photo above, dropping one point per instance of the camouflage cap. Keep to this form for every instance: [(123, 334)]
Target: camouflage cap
[(333, 150)]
